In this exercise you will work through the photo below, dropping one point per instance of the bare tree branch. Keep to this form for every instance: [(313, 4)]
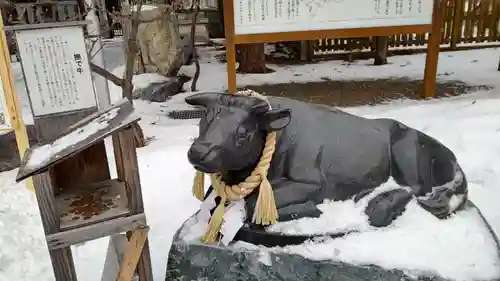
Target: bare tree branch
[(107, 74), (131, 53), (195, 9)]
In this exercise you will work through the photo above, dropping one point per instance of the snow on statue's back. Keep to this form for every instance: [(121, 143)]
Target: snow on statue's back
[(355, 197)]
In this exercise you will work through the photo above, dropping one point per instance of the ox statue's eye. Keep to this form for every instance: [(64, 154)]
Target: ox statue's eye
[(241, 132)]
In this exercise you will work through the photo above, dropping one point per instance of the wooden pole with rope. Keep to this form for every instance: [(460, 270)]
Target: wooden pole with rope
[(11, 99)]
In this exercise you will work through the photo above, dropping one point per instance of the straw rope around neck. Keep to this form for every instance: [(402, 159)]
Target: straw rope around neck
[(265, 212)]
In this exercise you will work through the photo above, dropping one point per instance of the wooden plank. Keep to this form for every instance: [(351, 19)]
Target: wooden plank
[(468, 32), (31, 15), (494, 21), (128, 171), (132, 255), (118, 117), (114, 257), (46, 24), (447, 19), (457, 23), (49, 128), (479, 24), (381, 47), (95, 231), (318, 34), (62, 260), (87, 167), (94, 204), (46, 203), (127, 168)]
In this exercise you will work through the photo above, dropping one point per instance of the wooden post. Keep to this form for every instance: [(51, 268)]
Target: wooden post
[(87, 167), (132, 254), (71, 180), (306, 50), (230, 46), (62, 260), (127, 169), (12, 101), (381, 46), (456, 31), (431, 62)]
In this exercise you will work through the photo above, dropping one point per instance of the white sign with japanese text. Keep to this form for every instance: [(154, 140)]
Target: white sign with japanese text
[(4, 113), (272, 16), (56, 69)]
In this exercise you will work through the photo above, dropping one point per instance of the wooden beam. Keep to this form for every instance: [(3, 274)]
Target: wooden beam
[(91, 232), (127, 169), (320, 34), (133, 254), (230, 46), (62, 260), (381, 47)]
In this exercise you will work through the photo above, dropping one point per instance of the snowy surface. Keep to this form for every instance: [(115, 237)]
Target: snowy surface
[(139, 81), (416, 242), (460, 248), (144, 7), (469, 125), (42, 154)]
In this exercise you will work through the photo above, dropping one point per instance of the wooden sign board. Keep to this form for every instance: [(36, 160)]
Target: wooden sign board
[(267, 21), (268, 16), (56, 68), (4, 113)]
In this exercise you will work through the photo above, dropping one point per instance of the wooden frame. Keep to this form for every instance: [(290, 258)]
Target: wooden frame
[(77, 198), (49, 126), (233, 39)]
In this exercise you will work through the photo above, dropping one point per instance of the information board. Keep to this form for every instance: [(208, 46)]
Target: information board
[(272, 16), (4, 113), (56, 69)]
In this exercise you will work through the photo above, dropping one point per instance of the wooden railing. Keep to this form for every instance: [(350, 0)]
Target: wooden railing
[(464, 22), (42, 11)]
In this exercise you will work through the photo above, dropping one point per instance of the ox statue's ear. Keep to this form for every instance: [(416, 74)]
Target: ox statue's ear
[(203, 99), (278, 119)]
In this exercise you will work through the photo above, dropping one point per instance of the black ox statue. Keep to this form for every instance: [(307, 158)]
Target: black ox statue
[(325, 153)]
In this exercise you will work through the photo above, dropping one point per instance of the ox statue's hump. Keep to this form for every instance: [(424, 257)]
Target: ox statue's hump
[(347, 149)]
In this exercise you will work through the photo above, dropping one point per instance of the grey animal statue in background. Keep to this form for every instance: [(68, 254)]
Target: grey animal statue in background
[(325, 153)]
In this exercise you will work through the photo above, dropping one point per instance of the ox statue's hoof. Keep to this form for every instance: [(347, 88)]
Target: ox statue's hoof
[(387, 206)]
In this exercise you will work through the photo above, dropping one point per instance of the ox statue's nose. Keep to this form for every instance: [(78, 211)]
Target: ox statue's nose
[(203, 157), (197, 153)]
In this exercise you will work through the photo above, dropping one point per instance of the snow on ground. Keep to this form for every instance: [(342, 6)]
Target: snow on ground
[(469, 125)]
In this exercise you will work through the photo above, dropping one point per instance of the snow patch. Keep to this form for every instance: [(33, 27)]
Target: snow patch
[(416, 242), (338, 216), (459, 248), (143, 8), (139, 81)]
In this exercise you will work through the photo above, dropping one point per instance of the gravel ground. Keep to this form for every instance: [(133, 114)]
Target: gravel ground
[(352, 93)]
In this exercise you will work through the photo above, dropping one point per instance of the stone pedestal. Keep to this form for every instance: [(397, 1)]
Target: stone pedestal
[(196, 261)]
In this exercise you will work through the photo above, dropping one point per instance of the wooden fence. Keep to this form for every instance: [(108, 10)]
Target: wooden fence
[(463, 22), (38, 12)]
